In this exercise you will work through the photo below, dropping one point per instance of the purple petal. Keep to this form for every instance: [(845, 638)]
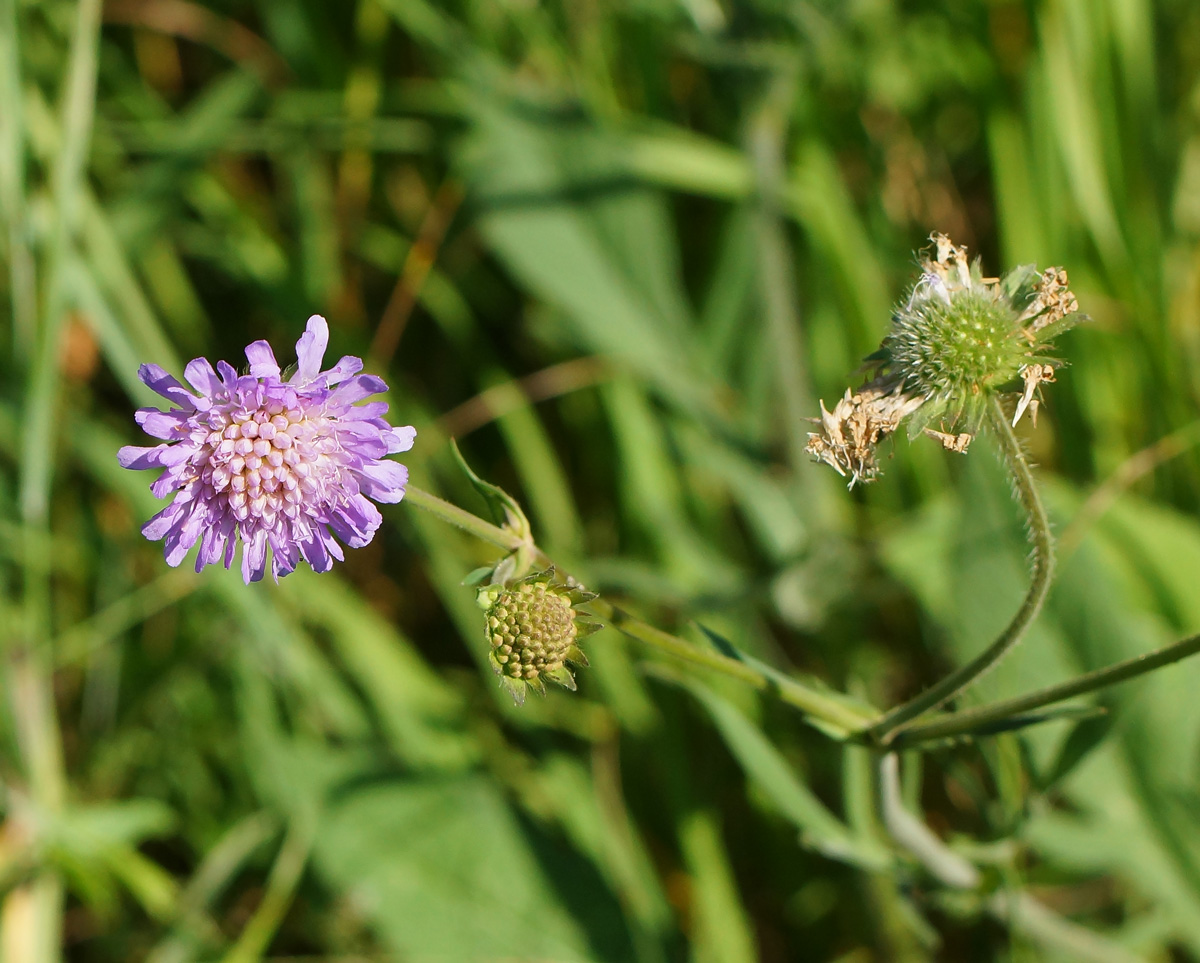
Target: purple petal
[(181, 538), (212, 545), (200, 375), (331, 543), (164, 521), (384, 481), (362, 438), (262, 360), (310, 351), (158, 381), (371, 410), (165, 484), (339, 507), (400, 439), (254, 556), (249, 390), (349, 482), (284, 555), (228, 525), (312, 547), (355, 520), (345, 367), (161, 424), (161, 456), (357, 388)]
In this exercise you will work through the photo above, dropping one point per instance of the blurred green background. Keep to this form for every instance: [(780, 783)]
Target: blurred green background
[(619, 249)]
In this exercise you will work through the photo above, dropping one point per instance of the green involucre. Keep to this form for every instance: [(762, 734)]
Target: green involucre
[(953, 351)]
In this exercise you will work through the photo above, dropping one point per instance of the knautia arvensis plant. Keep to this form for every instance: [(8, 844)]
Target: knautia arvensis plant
[(956, 340), (533, 631), (282, 465)]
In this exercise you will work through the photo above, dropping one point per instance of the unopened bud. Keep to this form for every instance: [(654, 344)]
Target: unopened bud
[(533, 630)]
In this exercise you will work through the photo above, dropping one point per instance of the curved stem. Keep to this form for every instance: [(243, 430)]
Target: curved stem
[(961, 722), (826, 708), (1043, 568), (946, 866)]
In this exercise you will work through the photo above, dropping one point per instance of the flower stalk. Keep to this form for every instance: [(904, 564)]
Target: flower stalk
[(888, 727)]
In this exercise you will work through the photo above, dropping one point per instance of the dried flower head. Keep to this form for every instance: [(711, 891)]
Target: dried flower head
[(534, 630), (271, 463), (955, 339)]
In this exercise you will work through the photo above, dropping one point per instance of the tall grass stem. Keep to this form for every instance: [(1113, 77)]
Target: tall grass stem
[(767, 137), (31, 664), (13, 206)]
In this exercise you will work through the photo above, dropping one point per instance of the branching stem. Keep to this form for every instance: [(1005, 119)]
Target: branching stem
[(833, 712), (958, 723), (887, 728)]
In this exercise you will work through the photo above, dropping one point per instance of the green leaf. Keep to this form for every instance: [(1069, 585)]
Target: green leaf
[(722, 930), (504, 508), (90, 829), (549, 208), (479, 576), (95, 846), (1085, 737), (1061, 326), (444, 871), (766, 767)]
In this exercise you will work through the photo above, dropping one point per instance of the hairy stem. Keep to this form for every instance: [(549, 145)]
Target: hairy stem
[(885, 729), (461, 518), (808, 700), (821, 706), (961, 722)]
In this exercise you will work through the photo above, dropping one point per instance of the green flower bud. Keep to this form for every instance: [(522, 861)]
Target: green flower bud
[(533, 630), (958, 337)]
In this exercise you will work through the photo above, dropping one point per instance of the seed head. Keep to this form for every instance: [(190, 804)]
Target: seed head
[(957, 338), (533, 630)]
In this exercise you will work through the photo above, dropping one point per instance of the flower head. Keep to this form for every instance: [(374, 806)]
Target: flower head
[(271, 463), (957, 338), (533, 630)]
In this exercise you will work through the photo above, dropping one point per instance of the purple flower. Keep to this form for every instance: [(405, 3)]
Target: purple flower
[(285, 464)]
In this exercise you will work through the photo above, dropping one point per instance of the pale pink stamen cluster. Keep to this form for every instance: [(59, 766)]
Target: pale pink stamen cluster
[(269, 460)]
